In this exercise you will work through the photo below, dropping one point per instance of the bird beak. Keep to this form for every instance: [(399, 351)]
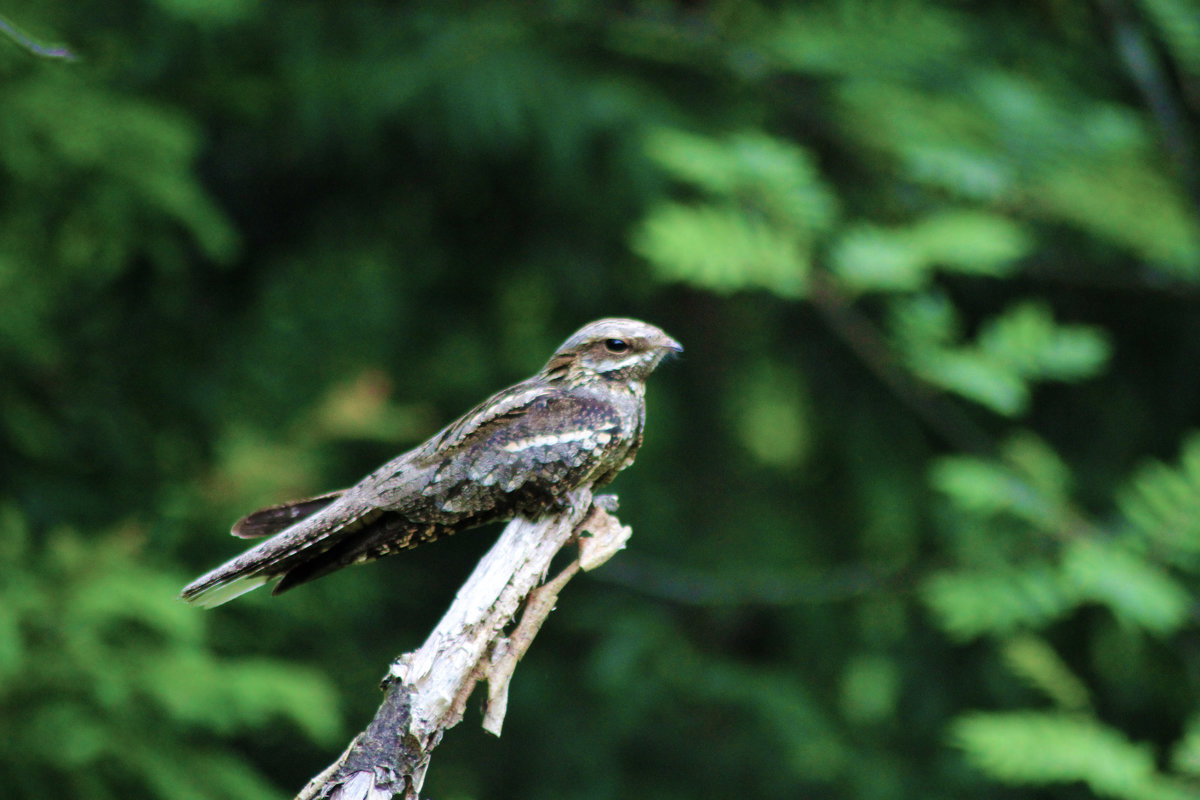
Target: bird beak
[(670, 344)]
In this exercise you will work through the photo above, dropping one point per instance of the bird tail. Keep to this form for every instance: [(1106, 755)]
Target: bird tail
[(273, 519), (302, 529)]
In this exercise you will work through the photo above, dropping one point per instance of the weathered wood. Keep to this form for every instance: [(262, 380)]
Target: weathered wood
[(426, 690)]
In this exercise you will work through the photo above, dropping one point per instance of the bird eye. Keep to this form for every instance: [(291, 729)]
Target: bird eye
[(616, 345)]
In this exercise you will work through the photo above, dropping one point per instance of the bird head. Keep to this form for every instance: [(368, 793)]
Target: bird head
[(611, 349)]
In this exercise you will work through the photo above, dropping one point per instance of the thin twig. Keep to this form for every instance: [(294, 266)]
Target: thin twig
[(30, 44)]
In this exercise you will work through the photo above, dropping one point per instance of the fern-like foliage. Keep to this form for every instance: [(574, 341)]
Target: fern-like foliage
[(1162, 504), (874, 258), (114, 683), (1036, 749), (1028, 482), (969, 604), (722, 249), (1012, 351), (1032, 659), (768, 206), (1139, 592)]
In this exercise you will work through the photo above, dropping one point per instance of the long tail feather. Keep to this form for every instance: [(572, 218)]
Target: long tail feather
[(271, 520), (303, 540)]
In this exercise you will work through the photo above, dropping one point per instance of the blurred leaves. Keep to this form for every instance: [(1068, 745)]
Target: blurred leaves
[(1033, 660), (112, 177), (970, 604), (772, 204), (1162, 504), (935, 266), (1028, 481), (869, 258), (1138, 592), (1019, 346), (1028, 748), (721, 250), (105, 677)]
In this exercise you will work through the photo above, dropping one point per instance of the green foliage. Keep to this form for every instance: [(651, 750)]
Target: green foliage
[(1139, 592), (935, 266), (1021, 345), (970, 604), (1032, 659), (722, 250), (113, 176), (107, 682), (1162, 504), (1028, 485), (1028, 482), (1028, 748), (771, 204), (870, 258)]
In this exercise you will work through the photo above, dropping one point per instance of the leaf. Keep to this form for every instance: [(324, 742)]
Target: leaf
[(772, 176), (979, 485), (924, 320), (1021, 345), (1136, 590), (1028, 483), (977, 377), (1026, 337), (971, 604), (1030, 456), (870, 258), (722, 250), (1162, 503), (1033, 660), (1032, 749), (973, 242)]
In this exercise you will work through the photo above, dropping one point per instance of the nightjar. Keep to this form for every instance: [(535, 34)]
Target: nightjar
[(576, 423)]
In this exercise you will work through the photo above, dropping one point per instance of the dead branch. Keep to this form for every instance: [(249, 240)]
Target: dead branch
[(427, 690)]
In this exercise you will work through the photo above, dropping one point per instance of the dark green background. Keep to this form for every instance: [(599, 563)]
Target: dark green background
[(918, 512)]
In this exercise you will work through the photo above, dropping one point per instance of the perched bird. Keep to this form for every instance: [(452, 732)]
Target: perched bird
[(575, 424)]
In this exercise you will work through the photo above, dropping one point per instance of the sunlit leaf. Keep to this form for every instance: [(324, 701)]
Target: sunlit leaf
[(970, 604), (1136, 590), (1032, 749), (722, 250)]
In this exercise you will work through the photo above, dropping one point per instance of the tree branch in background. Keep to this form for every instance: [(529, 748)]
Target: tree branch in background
[(27, 42), (862, 337), (1144, 64), (427, 689)]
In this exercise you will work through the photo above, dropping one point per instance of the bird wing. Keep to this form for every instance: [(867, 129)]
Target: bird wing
[(528, 456), (519, 453), (505, 459)]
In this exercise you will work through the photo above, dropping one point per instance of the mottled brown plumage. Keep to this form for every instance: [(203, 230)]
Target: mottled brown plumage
[(577, 423)]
